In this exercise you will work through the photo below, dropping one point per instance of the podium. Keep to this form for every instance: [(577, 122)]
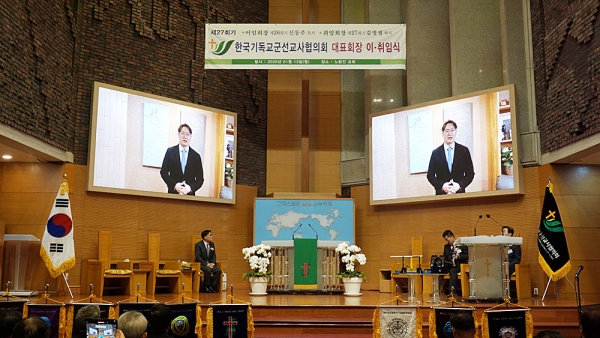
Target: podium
[(488, 265), (282, 263), (18, 254)]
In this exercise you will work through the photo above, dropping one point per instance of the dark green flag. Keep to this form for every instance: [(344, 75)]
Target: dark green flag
[(552, 243), (305, 263)]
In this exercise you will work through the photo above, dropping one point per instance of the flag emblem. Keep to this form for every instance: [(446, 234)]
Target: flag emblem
[(552, 244), (58, 249), (59, 225)]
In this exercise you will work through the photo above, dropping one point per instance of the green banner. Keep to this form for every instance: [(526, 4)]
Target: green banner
[(305, 263)]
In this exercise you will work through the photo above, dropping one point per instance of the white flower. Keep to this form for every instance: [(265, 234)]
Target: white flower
[(258, 257), (350, 255)]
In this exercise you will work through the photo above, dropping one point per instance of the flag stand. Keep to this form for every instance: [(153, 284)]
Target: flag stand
[(32, 293), (67, 284), (555, 288)]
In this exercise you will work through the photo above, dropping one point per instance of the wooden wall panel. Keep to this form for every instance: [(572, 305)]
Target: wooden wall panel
[(285, 112), (130, 218), (383, 231)]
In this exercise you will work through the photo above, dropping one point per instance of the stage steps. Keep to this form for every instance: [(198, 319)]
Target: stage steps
[(303, 321)]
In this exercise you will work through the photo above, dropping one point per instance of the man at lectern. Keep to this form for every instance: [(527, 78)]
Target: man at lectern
[(207, 256), (514, 251), (454, 256), (182, 169), (450, 166)]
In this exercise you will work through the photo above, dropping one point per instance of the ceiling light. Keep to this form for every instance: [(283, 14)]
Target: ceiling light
[(6, 157)]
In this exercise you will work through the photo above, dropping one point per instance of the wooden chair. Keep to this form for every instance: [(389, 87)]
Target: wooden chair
[(164, 277), (522, 279), (106, 276)]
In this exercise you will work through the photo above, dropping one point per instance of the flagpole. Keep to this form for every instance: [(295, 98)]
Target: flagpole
[(68, 286)]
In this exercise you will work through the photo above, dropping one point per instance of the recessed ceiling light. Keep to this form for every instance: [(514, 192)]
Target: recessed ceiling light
[(6, 157)]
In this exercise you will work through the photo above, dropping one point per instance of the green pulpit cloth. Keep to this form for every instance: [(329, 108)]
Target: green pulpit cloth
[(305, 263)]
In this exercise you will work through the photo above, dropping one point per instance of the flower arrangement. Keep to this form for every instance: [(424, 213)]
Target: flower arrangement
[(350, 255), (507, 156), (259, 257), (228, 171)]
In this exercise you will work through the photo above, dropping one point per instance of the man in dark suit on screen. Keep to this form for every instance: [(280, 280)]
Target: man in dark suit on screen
[(450, 166), (182, 166)]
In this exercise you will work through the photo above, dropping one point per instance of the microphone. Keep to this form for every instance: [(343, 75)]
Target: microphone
[(298, 228), (475, 227), (578, 271), (492, 218)]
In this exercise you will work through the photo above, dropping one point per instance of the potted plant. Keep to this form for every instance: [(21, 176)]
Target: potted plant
[(352, 278), (259, 258), (229, 174), (507, 160)]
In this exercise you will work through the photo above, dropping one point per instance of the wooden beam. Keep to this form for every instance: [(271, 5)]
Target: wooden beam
[(305, 168)]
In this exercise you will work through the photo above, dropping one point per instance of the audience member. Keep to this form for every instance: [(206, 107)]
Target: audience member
[(32, 327), (133, 324), (590, 323), (8, 320), (463, 325), (549, 334), (91, 311), (160, 320)]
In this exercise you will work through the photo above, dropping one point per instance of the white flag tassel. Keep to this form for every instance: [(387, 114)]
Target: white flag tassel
[(58, 248)]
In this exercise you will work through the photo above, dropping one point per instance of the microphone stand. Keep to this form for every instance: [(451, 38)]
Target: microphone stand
[(578, 293), (475, 227), (313, 229), (298, 228)]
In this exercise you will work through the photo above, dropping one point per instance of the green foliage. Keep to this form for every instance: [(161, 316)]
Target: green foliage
[(228, 171), (249, 274), (352, 274), (507, 156)]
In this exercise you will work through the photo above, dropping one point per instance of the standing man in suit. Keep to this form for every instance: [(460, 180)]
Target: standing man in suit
[(182, 166), (450, 166), (454, 256), (207, 256), (514, 251)]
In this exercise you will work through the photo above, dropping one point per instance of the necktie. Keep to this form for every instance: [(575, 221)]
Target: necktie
[(450, 159), (207, 250), (183, 160)]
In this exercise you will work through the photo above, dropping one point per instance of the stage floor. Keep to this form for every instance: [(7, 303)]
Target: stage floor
[(367, 298)]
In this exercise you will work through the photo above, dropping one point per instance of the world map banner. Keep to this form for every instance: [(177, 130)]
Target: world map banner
[(305, 46), (286, 219)]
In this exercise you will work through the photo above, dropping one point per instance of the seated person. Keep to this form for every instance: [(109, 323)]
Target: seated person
[(463, 325), (91, 311), (514, 251), (8, 320), (589, 323), (207, 256), (453, 257)]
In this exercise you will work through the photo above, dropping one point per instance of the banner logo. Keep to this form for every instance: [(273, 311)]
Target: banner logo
[(180, 326), (223, 47)]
